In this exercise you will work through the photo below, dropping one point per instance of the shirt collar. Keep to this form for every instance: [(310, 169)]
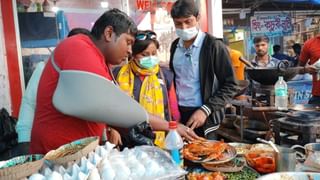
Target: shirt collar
[(196, 42)]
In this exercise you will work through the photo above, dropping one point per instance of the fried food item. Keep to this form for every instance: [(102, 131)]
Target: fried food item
[(263, 162), (203, 150), (206, 176)]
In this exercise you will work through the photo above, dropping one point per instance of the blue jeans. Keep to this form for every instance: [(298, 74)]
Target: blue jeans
[(314, 100)]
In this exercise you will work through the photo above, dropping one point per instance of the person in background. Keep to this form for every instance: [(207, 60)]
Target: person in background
[(235, 55), (28, 103), (310, 54), (151, 85), (110, 44), (203, 73), (297, 51), (278, 55), (262, 58)]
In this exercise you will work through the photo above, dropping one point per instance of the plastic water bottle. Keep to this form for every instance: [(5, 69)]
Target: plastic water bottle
[(174, 143), (281, 94)]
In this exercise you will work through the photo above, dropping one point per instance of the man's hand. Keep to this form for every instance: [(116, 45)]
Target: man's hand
[(197, 119), (310, 69), (115, 137), (187, 133)]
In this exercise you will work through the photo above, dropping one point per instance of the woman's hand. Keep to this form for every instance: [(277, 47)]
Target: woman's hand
[(187, 133), (114, 137)]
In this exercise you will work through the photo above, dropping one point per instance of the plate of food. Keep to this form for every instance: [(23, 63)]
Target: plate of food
[(234, 165), (209, 152), (262, 161), (72, 151), (291, 176), (246, 173), (205, 175), (241, 148), (21, 166)]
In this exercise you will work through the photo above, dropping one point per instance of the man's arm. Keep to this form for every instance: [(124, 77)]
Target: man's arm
[(303, 59), (224, 86), (225, 77)]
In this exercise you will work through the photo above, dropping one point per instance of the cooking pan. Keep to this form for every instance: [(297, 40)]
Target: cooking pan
[(269, 75), (242, 87), (227, 122), (252, 129), (305, 107)]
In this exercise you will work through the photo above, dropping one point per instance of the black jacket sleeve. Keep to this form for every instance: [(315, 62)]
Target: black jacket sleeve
[(224, 80)]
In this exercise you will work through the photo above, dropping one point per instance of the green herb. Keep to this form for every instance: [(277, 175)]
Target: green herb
[(245, 174)]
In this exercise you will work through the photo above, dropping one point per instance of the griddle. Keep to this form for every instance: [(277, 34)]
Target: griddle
[(304, 116)]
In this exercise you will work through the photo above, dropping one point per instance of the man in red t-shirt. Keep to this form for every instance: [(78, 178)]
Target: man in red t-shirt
[(112, 37), (311, 54)]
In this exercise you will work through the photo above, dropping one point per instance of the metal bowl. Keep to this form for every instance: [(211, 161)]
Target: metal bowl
[(227, 122), (252, 129)]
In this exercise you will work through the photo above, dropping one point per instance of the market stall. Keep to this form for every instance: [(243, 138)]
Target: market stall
[(203, 159)]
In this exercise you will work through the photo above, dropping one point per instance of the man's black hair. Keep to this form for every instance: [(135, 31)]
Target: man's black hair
[(118, 20), (296, 48), (140, 45), (259, 39), (76, 31), (184, 9), (276, 48)]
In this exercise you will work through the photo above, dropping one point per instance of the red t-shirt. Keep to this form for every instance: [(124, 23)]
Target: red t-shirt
[(311, 51), (51, 128)]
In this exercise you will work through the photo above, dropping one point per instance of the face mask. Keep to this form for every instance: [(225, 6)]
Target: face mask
[(149, 62), (187, 34)]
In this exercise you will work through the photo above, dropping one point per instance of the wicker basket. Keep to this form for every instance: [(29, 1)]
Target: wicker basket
[(90, 144), (21, 170)]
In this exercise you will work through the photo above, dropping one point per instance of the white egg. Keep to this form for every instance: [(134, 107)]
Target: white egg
[(108, 174), (142, 156), (80, 176), (105, 164), (94, 158), (66, 176), (138, 171), (120, 167), (37, 177), (86, 166), (55, 176), (94, 175), (108, 146), (152, 168), (122, 175), (61, 170), (47, 171), (132, 161), (101, 151), (75, 169)]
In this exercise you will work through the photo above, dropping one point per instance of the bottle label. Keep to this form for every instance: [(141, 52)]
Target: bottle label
[(177, 157), (281, 92)]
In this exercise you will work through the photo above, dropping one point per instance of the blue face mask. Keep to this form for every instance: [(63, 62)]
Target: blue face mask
[(149, 62)]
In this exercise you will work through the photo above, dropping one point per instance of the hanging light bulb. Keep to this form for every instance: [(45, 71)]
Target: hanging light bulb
[(104, 4), (55, 8)]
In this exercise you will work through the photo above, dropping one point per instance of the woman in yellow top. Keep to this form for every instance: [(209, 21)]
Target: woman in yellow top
[(151, 85)]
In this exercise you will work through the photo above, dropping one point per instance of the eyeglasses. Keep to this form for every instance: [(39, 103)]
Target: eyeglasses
[(147, 35)]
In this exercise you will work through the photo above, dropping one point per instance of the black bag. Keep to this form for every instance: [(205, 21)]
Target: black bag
[(142, 134), (8, 135)]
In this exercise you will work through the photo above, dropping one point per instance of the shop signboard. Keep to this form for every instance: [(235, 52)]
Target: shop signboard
[(302, 91), (271, 25)]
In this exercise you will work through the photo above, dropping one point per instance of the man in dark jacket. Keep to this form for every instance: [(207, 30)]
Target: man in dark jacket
[(203, 72)]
